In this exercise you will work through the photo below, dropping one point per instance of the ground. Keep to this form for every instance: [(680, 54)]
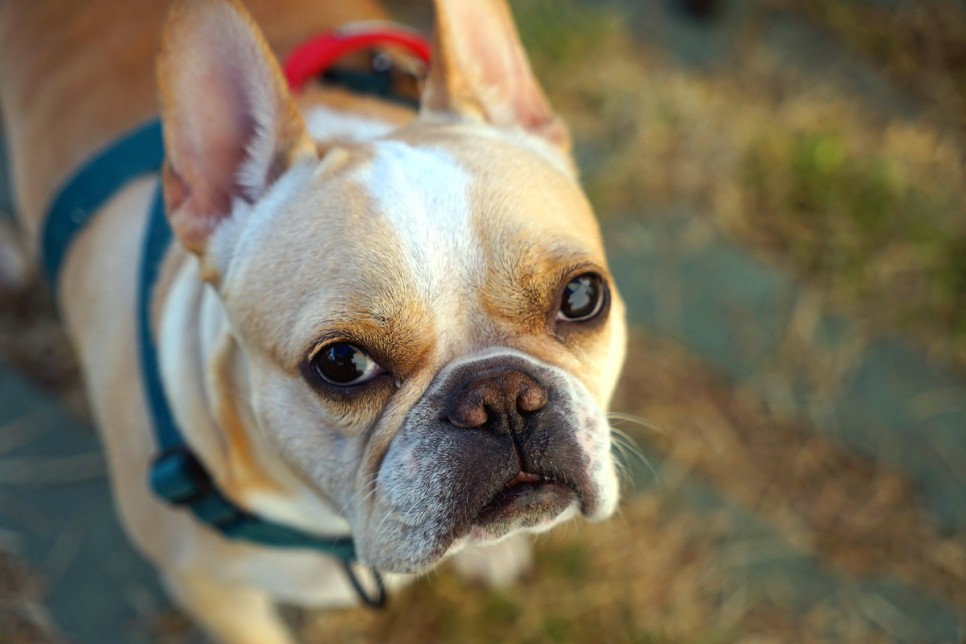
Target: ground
[(781, 186)]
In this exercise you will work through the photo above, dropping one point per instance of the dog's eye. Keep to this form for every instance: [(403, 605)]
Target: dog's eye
[(343, 364), (583, 298)]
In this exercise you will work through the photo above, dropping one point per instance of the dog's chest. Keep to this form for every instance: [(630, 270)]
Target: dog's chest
[(307, 579)]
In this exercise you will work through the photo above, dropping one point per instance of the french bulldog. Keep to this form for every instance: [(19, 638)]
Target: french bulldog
[(387, 323)]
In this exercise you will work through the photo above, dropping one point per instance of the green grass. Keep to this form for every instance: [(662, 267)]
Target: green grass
[(921, 46), (563, 32), (851, 221)]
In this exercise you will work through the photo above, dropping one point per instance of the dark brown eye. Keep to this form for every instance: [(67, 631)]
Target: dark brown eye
[(583, 298), (343, 364)]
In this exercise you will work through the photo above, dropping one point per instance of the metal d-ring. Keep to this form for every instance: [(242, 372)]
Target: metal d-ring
[(379, 599)]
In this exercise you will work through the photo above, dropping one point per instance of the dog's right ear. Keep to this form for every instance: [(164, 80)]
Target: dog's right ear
[(231, 127), (480, 70)]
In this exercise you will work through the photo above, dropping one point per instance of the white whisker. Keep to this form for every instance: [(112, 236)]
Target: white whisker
[(369, 489), (637, 420), (627, 448)]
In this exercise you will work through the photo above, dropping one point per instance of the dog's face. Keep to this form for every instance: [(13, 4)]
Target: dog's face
[(446, 328), (429, 330)]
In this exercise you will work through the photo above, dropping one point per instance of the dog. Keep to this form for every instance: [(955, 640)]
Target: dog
[(375, 321)]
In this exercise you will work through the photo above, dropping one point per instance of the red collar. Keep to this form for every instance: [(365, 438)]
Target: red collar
[(313, 57)]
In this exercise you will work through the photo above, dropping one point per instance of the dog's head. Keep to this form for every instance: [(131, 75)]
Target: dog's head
[(427, 329)]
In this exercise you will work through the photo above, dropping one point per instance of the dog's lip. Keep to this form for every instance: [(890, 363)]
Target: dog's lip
[(524, 477), (557, 495), (526, 493)]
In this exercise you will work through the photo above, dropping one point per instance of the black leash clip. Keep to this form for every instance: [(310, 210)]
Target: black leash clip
[(374, 601)]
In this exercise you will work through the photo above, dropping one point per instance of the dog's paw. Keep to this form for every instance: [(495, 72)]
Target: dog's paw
[(498, 565)]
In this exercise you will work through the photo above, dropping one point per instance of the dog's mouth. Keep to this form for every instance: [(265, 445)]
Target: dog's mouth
[(526, 500)]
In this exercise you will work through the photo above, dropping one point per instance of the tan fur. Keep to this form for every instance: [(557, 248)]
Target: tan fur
[(184, 185), (458, 84), (245, 475)]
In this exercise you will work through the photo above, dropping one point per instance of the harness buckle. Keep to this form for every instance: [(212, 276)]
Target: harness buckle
[(178, 477)]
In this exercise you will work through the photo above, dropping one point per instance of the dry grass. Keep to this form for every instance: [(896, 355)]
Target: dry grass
[(919, 45), (869, 207), (588, 583), (32, 339), (22, 617), (853, 513), (656, 574)]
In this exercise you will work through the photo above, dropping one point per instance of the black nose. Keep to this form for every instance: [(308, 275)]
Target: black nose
[(499, 402)]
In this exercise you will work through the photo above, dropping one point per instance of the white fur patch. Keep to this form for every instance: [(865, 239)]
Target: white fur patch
[(516, 137), (325, 124), (424, 195)]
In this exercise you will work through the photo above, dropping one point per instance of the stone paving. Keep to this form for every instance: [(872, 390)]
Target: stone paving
[(760, 564), (888, 403), (56, 514), (884, 400)]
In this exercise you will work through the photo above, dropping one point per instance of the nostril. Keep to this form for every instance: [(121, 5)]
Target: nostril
[(469, 414), (531, 400), (497, 402)]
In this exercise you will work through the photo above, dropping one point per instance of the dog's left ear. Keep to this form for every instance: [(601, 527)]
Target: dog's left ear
[(480, 70), (231, 127)]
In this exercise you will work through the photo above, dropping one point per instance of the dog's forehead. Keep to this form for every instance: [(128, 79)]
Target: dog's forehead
[(478, 200), (422, 195), (409, 232)]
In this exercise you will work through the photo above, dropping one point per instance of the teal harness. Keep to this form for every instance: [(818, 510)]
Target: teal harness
[(177, 475)]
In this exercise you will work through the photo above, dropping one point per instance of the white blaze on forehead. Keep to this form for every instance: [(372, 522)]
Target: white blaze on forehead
[(424, 195)]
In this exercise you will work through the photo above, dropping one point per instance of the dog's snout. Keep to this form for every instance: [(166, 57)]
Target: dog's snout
[(500, 401)]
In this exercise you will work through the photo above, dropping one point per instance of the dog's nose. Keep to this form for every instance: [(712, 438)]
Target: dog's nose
[(500, 402)]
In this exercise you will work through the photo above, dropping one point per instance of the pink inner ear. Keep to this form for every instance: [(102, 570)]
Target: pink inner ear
[(222, 130), (188, 212), (230, 127), (503, 68), (482, 40)]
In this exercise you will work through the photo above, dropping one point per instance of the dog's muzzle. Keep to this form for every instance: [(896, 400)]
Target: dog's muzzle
[(509, 401), (496, 444)]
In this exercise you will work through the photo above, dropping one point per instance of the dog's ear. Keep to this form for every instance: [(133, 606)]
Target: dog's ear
[(231, 127), (480, 70)]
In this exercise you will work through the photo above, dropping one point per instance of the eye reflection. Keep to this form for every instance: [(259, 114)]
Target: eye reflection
[(343, 364), (582, 298)]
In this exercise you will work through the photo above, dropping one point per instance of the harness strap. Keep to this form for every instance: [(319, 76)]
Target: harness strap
[(177, 475), (113, 167)]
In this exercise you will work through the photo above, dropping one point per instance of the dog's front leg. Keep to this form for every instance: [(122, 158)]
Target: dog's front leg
[(232, 614)]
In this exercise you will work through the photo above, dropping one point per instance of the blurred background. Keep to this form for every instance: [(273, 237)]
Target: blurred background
[(781, 185)]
